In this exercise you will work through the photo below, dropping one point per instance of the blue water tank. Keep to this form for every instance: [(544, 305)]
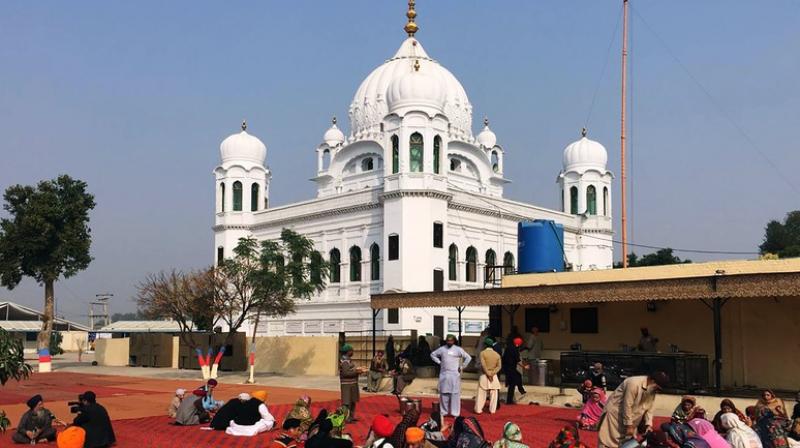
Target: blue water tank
[(540, 246)]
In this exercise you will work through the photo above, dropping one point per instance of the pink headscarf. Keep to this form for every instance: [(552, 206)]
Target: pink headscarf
[(706, 430), (593, 410)]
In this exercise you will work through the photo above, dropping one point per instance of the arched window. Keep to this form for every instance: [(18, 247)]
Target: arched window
[(491, 260), (374, 262), (495, 162), (591, 200), (254, 197), (326, 159), (336, 266), (605, 201), (355, 264), (415, 151), (237, 196), (573, 200), (508, 263), (367, 164), (395, 154), (222, 196), (316, 267), (472, 264), (452, 262), (437, 145)]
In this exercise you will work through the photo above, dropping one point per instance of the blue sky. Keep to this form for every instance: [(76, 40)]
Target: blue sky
[(134, 98)]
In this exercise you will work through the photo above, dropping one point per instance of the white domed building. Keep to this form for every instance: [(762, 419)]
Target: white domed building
[(408, 200)]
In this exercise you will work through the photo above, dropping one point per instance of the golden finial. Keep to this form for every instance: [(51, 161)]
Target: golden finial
[(411, 27), (333, 121), (416, 65), (583, 132), (244, 125)]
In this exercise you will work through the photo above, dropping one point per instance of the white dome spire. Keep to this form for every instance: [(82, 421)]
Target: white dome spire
[(333, 136), (585, 154), (487, 138), (243, 147)]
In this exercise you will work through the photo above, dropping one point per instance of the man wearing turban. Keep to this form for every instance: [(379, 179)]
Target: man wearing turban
[(36, 424), (348, 379), (452, 359)]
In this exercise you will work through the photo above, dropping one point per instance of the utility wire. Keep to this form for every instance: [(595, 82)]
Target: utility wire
[(603, 71), (718, 106)]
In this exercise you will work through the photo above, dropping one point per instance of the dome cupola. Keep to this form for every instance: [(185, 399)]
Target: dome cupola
[(243, 147), (487, 138), (585, 154), (417, 89), (333, 136)]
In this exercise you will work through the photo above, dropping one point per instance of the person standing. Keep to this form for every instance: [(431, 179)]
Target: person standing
[(377, 369), (629, 409), (451, 359), (488, 382), (511, 364), (348, 379), (648, 342), (534, 347), (479, 346)]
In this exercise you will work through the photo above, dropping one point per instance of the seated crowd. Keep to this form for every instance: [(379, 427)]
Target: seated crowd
[(91, 427)]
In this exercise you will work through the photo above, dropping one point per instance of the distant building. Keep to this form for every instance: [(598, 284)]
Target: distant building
[(25, 323), (408, 200)]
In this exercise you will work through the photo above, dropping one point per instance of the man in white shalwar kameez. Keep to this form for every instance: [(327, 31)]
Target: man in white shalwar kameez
[(266, 423), (629, 408), (451, 359)]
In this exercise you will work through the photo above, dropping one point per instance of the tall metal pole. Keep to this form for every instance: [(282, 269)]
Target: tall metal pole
[(717, 308), (623, 176)]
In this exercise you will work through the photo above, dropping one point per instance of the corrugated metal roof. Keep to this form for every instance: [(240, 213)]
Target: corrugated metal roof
[(141, 326), (20, 312), (673, 271), (35, 325)]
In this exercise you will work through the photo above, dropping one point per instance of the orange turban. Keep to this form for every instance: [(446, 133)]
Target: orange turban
[(260, 395), (72, 437), (414, 435)]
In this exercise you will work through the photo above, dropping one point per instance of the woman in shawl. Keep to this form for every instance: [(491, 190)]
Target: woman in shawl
[(323, 438), (398, 437), (683, 436), (302, 412), (339, 418), (771, 421), (568, 437), (726, 406), (589, 417), (794, 431), (769, 401), (706, 430), (467, 433), (686, 410), (512, 437), (737, 433)]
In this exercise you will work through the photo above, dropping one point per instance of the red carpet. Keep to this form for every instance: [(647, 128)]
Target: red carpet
[(539, 425)]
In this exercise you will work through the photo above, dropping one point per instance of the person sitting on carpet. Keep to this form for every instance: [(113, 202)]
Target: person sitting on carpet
[(253, 418), (403, 375), (398, 437), (36, 424), (228, 412), (380, 429), (172, 410), (191, 411), (324, 439), (339, 418), (686, 410), (467, 432), (94, 419), (512, 437), (726, 406), (72, 437), (302, 411), (290, 435), (589, 418), (415, 438), (683, 436), (209, 403), (585, 389), (738, 434), (706, 430), (568, 437), (435, 430)]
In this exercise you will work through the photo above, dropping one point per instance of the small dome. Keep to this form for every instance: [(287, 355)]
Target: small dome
[(418, 88), (585, 153), (486, 138), (333, 136), (243, 146)]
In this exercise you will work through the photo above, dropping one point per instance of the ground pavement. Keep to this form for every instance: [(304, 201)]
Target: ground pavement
[(138, 406)]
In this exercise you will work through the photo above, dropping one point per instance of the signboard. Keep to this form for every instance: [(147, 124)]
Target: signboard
[(312, 326), (294, 327)]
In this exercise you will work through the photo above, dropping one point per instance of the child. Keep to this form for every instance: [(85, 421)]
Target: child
[(172, 411), (288, 438)]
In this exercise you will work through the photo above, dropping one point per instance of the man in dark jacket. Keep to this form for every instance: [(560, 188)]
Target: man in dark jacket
[(93, 418), (511, 360)]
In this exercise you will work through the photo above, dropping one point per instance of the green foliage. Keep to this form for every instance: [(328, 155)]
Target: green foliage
[(55, 343), (268, 277), (46, 237), (658, 258), (4, 422), (138, 315), (783, 239), (12, 359)]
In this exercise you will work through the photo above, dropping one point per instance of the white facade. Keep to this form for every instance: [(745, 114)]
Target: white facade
[(409, 170)]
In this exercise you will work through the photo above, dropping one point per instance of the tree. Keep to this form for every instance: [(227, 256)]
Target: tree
[(783, 239), (138, 315), (658, 258), (259, 279), (12, 359), (186, 298), (46, 238)]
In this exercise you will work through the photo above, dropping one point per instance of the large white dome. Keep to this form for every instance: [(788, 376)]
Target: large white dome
[(418, 89), (243, 147), (370, 106), (585, 154)]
